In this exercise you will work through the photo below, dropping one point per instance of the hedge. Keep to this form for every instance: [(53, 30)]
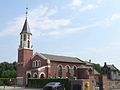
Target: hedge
[(40, 83), (7, 81)]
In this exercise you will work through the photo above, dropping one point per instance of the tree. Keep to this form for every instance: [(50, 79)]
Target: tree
[(8, 70), (119, 73), (97, 67)]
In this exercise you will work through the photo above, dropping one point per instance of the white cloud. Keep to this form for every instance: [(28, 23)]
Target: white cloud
[(38, 18), (42, 25), (76, 2), (68, 30), (54, 23), (111, 47), (12, 27), (110, 19), (88, 7), (82, 6), (93, 50), (99, 1)]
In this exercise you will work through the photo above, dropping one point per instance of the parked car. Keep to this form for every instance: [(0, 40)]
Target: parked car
[(54, 86)]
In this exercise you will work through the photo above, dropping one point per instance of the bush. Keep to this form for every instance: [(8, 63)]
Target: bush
[(7, 81), (1, 83), (40, 83)]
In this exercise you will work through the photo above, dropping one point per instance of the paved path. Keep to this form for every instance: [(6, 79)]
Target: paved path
[(16, 88)]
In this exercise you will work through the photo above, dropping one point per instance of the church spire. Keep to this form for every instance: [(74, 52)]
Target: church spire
[(26, 28), (26, 12), (26, 35)]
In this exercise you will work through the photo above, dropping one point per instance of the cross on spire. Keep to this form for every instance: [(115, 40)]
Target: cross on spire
[(26, 12)]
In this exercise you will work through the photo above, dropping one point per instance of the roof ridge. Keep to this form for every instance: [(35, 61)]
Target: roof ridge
[(59, 55)]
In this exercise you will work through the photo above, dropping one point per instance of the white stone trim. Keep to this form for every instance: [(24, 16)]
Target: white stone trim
[(41, 74), (60, 65), (39, 55), (28, 72), (74, 66), (35, 74), (68, 66), (58, 70), (19, 77), (44, 67), (73, 69)]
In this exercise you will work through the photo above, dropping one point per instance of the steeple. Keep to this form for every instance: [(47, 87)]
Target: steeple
[(26, 28), (26, 35), (25, 52)]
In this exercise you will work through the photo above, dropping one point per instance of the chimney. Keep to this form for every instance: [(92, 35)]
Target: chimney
[(89, 60)]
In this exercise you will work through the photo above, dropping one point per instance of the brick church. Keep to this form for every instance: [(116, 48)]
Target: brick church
[(41, 65)]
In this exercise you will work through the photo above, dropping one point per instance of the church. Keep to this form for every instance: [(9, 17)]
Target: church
[(45, 66), (40, 65)]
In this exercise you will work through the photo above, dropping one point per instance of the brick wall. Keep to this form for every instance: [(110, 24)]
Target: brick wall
[(54, 68), (114, 84)]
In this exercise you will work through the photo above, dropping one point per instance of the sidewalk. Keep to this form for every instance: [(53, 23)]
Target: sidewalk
[(16, 88), (10, 88)]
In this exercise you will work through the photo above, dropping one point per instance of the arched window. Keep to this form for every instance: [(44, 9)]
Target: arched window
[(42, 75), (24, 37), (21, 37), (39, 63), (36, 64), (67, 71), (74, 71), (20, 44), (28, 75), (33, 64), (60, 71), (28, 36), (28, 44), (35, 75)]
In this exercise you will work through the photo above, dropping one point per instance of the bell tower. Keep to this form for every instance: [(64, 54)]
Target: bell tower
[(25, 52)]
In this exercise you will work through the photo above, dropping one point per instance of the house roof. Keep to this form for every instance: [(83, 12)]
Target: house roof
[(88, 63), (61, 58), (112, 67)]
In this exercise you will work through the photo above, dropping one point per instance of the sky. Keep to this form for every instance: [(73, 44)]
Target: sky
[(87, 29)]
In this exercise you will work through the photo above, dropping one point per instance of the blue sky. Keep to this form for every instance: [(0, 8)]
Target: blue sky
[(88, 29)]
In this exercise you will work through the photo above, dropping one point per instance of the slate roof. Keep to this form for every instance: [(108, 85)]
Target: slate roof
[(88, 63), (62, 58), (26, 28), (112, 67)]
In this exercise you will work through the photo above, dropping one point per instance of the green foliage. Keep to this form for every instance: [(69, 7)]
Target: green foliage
[(7, 81), (119, 73), (8, 70), (97, 67), (40, 83), (1, 83)]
